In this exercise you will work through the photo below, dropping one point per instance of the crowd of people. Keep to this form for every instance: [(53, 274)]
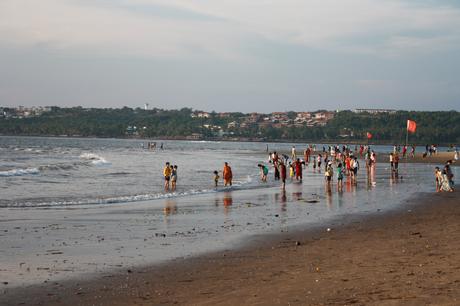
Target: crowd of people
[(340, 159), (444, 179), (170, 176)]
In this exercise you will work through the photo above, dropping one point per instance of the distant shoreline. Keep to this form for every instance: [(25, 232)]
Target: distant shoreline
[(237, 139)]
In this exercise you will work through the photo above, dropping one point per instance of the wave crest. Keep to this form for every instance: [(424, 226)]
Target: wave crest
[(19, 172)]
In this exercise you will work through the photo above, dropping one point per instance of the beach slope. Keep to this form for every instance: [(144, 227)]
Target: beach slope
[(410, 257)]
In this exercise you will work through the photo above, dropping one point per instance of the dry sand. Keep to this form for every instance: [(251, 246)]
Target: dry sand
[(406, 257)]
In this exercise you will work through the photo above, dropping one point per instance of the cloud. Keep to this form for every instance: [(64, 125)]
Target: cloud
[(221, 28)]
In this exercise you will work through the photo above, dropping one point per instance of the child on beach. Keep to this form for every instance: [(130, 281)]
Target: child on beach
[(216, 178), (291, 171), (329, 173), (263, 172), (438, 178), (339, 176)]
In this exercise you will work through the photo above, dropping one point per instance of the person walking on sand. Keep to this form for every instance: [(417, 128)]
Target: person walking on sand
[(354, 167), (329, 173), (438, 178), (167, 175), (227, 174), (445, 184), (283, 175), (396, 162), (293, 153), (392, 166), (298, 170), (339, 176)]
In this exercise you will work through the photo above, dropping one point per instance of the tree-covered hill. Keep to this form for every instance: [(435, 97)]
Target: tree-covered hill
[(432, 127)]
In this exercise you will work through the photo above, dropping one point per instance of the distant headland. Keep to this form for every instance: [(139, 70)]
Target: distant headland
[(351, 126)]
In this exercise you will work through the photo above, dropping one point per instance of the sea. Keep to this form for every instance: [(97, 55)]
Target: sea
[(42, 171)]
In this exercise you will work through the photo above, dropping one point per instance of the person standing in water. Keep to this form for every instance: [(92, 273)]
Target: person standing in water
[(329, 173), (283, 175), (298, 170), (216, 178), (438, 178), (293, 153), (339, 176), (263, 172), (173, 177), (227, 174), (167, 175)]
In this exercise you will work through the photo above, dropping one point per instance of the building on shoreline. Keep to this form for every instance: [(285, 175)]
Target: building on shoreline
[(374, 111)]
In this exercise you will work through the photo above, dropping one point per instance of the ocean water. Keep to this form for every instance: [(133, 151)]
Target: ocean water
[(36, 171), (61, 171)]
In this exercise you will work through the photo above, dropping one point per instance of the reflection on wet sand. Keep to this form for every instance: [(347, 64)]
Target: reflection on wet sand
[(227, 200), (371, 182), (170, 207), (282, 199)]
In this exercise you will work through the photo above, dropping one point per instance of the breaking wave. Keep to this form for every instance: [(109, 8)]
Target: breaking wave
[(19, 172), (95, 159)]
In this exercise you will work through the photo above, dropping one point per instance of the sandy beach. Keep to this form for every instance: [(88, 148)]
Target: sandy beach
[(408, 256)]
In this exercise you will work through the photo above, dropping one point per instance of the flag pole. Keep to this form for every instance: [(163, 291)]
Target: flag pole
[(407, 137)]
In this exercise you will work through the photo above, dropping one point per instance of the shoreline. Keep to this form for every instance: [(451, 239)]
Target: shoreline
[(381, 262), (237, 139)]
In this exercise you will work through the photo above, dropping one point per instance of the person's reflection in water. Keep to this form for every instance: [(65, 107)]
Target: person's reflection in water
[(170, 207), (348, 184), (281, 198), (339, 198), (371, 177), (328, 190), (228, 201), (369, 181), (297, 196), (394, 178)]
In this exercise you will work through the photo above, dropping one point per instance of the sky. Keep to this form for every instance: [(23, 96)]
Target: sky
[(231, 55)]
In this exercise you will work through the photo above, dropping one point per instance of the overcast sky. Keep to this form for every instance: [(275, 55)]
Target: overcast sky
[(231, 55)]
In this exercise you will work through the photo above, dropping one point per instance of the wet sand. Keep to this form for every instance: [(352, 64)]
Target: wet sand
[(439, 158), (409, 256)]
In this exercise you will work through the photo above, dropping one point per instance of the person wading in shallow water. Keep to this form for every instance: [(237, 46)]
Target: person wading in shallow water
[(283, 175), (227, 174), (167, 175)]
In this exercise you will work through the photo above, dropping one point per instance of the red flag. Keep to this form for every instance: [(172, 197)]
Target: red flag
[(411, 126), (369, 135)]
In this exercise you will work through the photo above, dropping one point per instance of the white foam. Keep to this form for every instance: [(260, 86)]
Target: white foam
[(90, 156), (101, 162), (95, 159), (19, 172)]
